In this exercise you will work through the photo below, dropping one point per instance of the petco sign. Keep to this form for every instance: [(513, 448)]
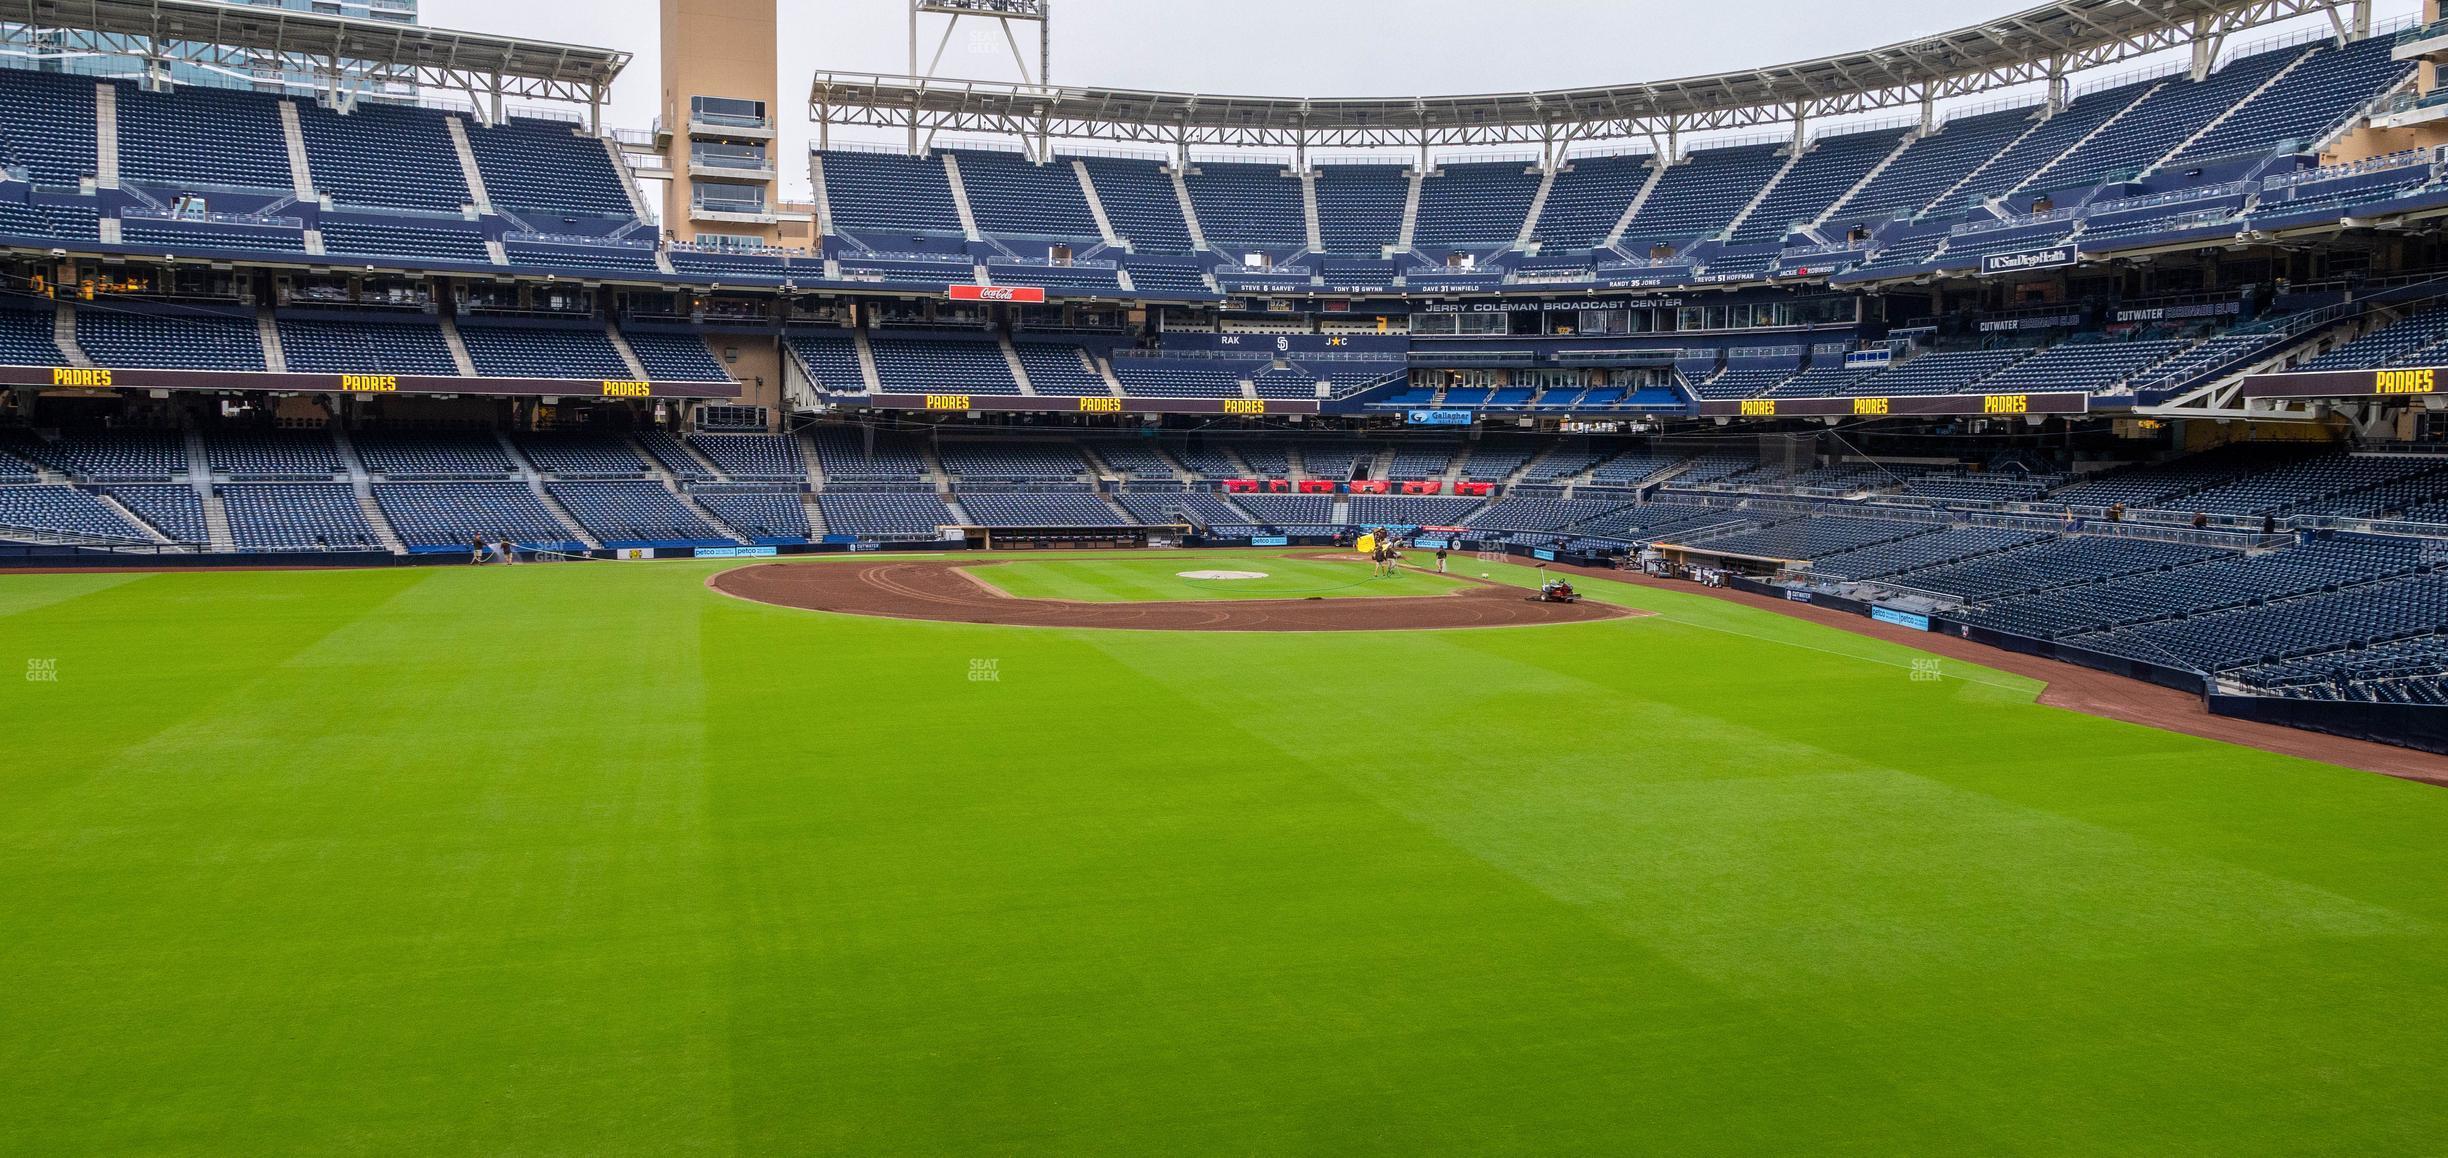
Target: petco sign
[(2054, 257), (997, 293)]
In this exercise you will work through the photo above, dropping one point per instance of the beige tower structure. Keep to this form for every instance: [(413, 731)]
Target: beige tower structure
[(716, 130)]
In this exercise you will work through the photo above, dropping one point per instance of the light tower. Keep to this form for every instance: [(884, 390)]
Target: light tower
[(1004, 14)]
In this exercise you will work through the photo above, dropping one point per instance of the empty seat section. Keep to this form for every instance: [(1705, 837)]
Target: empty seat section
[(1360, 207), (296, 517), (1696, 198), (191, 341), (676, 357), (1475, 204), (1243, 205), (634, 513), (370, 346), (196, 138), (2043, 143), (26, 337), (175, 510), (414, 242), (383, 155), (548, 167), (638, 257), (885, 515), (761, 516), (1180, 377), (890, 193), (1832, 167), (1012, 196), (921, 366), (970, 462), (1932, 165), (1140, 202), (57, 510), (390, 455), (179, 237), (1058, 369), (435, 516), (831, 359), (2162, 121), (753, 456), (1589, 197), (853, 455), (540, 352), (47, 119), (271, 454), (581, 455)]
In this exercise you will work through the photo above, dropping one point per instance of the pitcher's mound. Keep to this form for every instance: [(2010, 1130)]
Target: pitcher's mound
[(940, 590)]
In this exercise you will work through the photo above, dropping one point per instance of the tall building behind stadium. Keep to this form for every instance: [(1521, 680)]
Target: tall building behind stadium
[(86, 52), (1989, 329)]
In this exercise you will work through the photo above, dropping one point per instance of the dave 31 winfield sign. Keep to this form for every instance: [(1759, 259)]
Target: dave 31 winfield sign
[(997, 293)]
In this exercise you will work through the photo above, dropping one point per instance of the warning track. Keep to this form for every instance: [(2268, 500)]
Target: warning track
[(944, 591)]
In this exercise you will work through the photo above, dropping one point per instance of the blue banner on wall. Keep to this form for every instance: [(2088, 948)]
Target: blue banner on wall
[(1441, 417), (1543, 554), (1901, 618), (1270, 541), (737, 552)]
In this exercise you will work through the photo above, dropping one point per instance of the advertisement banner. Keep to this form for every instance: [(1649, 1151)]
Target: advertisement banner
[(1270, 541), (1441, 418), (737, 552), (2053, 257), (1900, 618)]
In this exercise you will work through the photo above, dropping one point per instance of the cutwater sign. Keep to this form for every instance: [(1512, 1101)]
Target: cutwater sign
[(2054, 257)]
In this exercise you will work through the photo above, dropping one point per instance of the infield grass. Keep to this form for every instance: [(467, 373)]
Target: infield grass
[(590, 860), (1144, 578)]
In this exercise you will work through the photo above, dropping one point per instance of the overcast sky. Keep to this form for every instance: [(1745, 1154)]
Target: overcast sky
[(1277, 47)]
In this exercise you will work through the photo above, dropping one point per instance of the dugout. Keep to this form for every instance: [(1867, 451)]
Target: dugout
[(1064, 538)]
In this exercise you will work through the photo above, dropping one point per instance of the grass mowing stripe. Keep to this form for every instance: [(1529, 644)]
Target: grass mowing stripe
[(592, 859)]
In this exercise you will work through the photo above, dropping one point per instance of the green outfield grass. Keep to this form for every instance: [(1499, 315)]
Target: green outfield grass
[(590, 860), (1145, 578)]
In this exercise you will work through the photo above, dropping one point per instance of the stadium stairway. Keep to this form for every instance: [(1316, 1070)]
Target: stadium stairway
[(2275, 79), (1096, 207), (216, 513), (469, 171), (64, 336), (361, 484), (267, 334), (628, 355), (569, 522), (960, 196), (2097, 131), (1530, 219), (807, 456)]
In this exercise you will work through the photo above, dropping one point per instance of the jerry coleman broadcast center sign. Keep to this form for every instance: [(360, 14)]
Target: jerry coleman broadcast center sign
[(76, 378)]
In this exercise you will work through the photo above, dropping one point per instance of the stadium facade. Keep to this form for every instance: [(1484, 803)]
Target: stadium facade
[(1990, 330)]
